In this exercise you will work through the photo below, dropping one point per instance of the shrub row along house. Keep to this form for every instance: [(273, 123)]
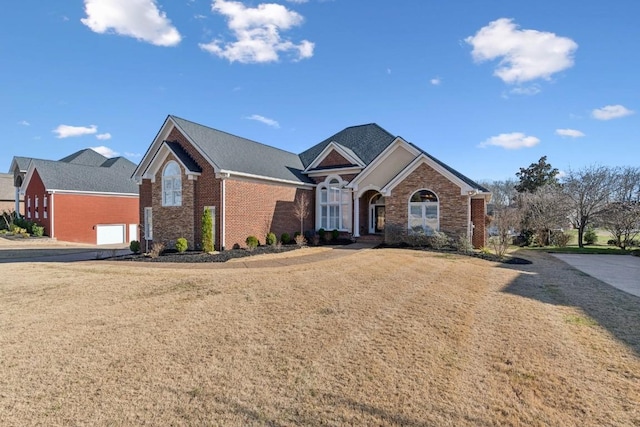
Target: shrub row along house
[(84, 197), (361, 181)]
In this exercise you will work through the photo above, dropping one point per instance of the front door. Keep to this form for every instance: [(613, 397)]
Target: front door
[(379, 217)]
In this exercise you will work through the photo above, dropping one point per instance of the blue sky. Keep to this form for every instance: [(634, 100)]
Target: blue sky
[(485, 86)]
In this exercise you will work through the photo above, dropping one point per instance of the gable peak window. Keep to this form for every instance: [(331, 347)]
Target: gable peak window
[(171, 185), (424, 212)]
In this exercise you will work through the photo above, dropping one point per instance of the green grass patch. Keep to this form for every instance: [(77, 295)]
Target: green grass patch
[(595, 249), (580, 320)]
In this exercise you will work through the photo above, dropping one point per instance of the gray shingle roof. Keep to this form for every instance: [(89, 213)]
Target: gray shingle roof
[(22, 162), (85, 157), (233, 153), (60, 175), (366, 141)]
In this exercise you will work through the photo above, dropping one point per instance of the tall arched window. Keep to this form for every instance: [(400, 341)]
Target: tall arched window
[(424, 211), (171, 185), (334, 205)]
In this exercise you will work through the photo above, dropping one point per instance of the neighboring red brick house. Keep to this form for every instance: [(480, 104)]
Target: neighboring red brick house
[(84, 197), (362, 180)]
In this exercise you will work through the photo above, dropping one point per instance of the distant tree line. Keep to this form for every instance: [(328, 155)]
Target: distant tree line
[(540, 203)]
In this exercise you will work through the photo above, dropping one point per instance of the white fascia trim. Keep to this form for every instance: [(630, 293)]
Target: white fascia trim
[(231, 174), (91, 193), (382, 157), (424, 159), (324, 172), (163, 134), (353, 158), (158, 160)]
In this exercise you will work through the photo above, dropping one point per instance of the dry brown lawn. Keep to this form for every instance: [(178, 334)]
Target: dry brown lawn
[(376, 337)]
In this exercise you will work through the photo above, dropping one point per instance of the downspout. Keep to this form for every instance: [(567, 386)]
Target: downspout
[(223, 213), (52, 216)]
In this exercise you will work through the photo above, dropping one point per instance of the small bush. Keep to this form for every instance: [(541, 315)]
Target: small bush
[(300, 240), (252, 242), (590, 237), (207, 231), (296, 234), (322, 234), (182, 245), (463, 244), (285, 238), (271, 239), (37, 230), (560, 239), (334, 235), (156, 250), (134, 246), (311, 237), (438, 240)]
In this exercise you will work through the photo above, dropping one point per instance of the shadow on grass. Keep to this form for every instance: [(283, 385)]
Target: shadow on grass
[(552, 281)]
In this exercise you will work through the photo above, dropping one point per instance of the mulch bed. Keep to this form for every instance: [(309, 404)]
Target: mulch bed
[(506, 259), (197, 256)]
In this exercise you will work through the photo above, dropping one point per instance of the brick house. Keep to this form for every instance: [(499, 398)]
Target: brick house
[(361, 181), (10, 200), (84, 197)]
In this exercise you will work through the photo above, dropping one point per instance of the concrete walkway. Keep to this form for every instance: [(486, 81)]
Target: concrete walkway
[(620, 271)]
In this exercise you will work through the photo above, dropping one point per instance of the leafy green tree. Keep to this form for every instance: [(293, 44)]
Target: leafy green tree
[(207, 231), (536, 175)]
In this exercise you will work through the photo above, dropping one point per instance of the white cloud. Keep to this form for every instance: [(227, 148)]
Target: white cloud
[(103, 136), (511, 141), (257, 31), (66, 131), (24, 123), (298, 1), (436, 81), (525, 54), (611, 112), (105, 151), (570, 133), (526, 90), (265, 120), (140, 19)]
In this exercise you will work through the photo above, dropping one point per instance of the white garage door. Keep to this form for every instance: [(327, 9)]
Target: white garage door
[(110, 234)]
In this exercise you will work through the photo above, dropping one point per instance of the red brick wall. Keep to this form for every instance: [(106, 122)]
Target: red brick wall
[(76, 215), (334, 159), (453, 206), (258, 208), (145, 190), (36, 188), (478, 217)]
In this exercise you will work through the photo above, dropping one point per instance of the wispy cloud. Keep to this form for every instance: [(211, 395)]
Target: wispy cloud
[(572, 133), (66, 131), (436, 81), (265, 120), (525, 55), (103, 136), (257, 32), (511, 141), (298, 1), (140, 19), (105, 151), (526, 90), (611, 112), (24, 123)]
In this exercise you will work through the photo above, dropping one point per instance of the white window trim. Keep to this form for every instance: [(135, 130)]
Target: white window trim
[(173, 179), (342, 204), (423, 205)]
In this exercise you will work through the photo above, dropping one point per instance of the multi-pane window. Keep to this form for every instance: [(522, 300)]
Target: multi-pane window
[(171, 185), (424, 211), (37, 212), (335, 206), (28, 207), (44, 207)]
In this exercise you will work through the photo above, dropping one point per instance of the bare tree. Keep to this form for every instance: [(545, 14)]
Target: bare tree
[(621, 217), (301, 210), (503, 213), (543, 210), (589, 191)]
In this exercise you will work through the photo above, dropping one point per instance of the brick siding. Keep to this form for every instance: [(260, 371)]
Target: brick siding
[(478, 218), (333, 159)]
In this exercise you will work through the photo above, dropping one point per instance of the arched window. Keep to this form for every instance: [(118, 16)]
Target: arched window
[(171, 185), (424, 211), (334, 205)]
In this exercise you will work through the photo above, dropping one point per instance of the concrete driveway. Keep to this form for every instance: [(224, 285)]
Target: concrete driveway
[(620, 271), (49, 250)]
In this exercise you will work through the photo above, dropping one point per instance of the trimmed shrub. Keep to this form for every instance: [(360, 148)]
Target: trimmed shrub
[(252, 242), (463, 244), (182, 245), (271, 239), (37, 230), (334, 235), (322, 234), (285, 238), (134, 246), (207, 231), (590, 237), (560, 239), (438, 240)]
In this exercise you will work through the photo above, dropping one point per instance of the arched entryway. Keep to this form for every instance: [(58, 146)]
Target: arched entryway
[(376, 214)]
